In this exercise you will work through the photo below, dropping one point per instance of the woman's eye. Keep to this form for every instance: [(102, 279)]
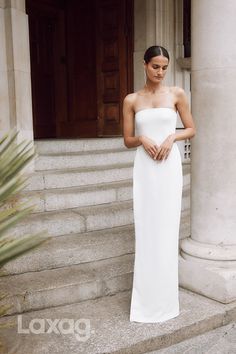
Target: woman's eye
[(157, 67)]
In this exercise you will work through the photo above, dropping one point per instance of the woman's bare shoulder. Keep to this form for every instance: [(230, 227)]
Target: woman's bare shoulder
[(131, 99), (178, 91)]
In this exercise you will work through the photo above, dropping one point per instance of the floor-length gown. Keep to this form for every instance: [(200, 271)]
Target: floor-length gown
[(157, 196)]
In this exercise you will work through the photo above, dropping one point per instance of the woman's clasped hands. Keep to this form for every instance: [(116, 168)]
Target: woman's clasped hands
[(157, 152)]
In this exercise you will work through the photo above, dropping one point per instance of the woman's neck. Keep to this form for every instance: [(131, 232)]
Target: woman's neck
[(151, 87)]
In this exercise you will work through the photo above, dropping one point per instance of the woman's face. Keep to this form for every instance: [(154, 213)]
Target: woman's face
[(156, 68)]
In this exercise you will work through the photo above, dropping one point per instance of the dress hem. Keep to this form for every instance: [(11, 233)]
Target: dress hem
[(156, 321)]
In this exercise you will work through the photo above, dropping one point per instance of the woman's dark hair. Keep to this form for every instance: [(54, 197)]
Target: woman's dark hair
[(154, 51)]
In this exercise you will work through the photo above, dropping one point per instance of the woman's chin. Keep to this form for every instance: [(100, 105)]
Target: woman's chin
[(156, 80)]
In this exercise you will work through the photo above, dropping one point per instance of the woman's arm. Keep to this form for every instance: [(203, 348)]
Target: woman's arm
[(130, 140), (185, 115)]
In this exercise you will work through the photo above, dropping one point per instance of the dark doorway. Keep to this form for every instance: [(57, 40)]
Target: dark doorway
[(187, 28), (81, 66)]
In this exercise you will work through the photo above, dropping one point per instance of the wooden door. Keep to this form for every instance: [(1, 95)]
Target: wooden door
[(48, 69), (81, 120), (114, 40), (81, 66)]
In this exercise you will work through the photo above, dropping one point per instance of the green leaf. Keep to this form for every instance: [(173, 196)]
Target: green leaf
[(14, 157), (12, 219), (15, 247)]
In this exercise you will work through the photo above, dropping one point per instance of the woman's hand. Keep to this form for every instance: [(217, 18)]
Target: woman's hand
[(149, 145), (164, 149)]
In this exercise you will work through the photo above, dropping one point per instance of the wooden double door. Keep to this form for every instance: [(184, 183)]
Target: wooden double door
[(81, 66)]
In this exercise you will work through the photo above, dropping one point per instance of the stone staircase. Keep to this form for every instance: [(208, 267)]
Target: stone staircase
[(82, 191)]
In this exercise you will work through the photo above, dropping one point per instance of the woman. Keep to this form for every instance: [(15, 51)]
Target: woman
[(150, 116)]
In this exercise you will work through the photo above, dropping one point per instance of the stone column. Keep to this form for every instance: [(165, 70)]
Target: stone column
[(15, 87), (208, 256)]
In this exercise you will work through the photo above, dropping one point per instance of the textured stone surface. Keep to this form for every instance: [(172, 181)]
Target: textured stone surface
[(67, 250), (221, 340), (89, 218), (87, 176), (73, 145), (112, 332), (66, 198), (83, 159), (67, 285), (75, 220), (52, 223)]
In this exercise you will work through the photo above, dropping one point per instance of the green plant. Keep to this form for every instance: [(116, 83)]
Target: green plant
[(14, 157)]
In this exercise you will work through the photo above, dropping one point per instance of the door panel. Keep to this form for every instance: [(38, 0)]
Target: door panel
[(114, 72), (48, 72), (81, 52)]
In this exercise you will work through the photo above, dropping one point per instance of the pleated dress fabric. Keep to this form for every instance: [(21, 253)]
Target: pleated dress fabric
[(157, 196)]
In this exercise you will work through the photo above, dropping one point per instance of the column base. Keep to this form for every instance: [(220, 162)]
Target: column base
[(212, 281)]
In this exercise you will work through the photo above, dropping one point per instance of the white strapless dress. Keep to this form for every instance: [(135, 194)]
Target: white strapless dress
[(157, 196)]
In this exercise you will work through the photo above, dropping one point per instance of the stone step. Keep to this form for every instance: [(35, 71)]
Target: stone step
[(217, 341), (79, 177), (67, 285), (83, 159), (87, 195), (62, 146), (87, 176), (105, 327), (77, 220), (47, 146), (74, 249), (67, 198), (84, 247)]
